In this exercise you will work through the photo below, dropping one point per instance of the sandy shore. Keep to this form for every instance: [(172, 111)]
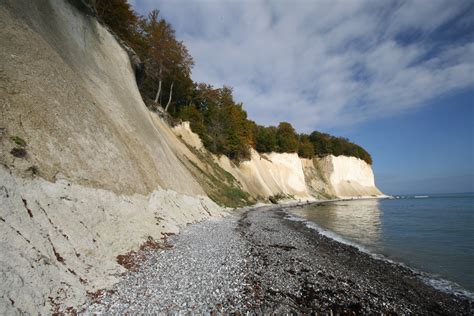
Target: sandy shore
[(256, 260)]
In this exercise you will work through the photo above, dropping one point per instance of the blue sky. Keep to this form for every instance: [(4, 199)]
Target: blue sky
[(425, 150), (397, 77)]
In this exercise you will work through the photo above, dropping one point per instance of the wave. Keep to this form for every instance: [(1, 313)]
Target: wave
[(411, 196), (428, 278)]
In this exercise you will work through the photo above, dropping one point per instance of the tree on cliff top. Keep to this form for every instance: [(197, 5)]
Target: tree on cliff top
[(221, 123), (325, 144), (225, 128), (119, 16), (265, 139), (305, 146), (167, 58), (287, 138)]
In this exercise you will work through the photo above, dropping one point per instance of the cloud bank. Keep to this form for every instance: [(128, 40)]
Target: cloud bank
[(320, 64)]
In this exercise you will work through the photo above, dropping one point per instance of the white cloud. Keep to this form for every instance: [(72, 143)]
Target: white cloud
[(319, 64)]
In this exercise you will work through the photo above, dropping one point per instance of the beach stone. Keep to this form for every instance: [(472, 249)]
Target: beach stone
[(232, 264)]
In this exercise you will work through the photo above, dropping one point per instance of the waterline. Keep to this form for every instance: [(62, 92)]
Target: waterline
[(433, 235)]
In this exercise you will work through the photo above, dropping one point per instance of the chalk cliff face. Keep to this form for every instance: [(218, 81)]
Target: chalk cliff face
[(86, 171), (287, 175), (351, 177), (184, 131), (71, 95), (59, 240), (269, 175)]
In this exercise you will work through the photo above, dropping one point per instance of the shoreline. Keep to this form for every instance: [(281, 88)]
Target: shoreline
[(263, 262), (300, 203), (341, 278), (439, 283)]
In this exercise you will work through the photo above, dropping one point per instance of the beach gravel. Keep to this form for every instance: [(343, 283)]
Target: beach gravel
[(203, 271), (258, 261)]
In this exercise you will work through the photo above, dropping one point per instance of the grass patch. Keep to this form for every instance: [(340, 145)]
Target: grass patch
[(220, 185), (322, 177), (18, 140), (317, 166)]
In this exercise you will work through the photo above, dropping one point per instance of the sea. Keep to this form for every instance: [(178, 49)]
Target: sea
[(433, 234)]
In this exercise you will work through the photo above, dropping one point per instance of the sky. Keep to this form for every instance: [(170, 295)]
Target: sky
[(396, 77)]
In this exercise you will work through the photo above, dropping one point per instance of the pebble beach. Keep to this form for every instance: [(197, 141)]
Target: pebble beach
[(257, 260)]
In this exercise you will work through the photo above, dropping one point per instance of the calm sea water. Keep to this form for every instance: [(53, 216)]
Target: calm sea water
[(433, 234)]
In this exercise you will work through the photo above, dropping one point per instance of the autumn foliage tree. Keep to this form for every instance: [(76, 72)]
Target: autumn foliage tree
[(225, 128), (167, 59), (119, 16), (221, 122)]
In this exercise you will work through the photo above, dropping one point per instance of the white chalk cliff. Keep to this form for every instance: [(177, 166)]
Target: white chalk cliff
[(102, 173), (96, 173), (286, 174), (350, 177)]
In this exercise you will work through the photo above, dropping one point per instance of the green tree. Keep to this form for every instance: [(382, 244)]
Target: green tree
[(305, 147), (287, 138), (325, 144), (265, 139), (194, 116), (237, 132)]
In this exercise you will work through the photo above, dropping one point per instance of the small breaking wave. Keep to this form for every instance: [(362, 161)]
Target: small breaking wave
[(328, 233), (429, 279)]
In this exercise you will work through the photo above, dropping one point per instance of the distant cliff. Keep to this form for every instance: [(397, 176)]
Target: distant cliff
[(287, 176)]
